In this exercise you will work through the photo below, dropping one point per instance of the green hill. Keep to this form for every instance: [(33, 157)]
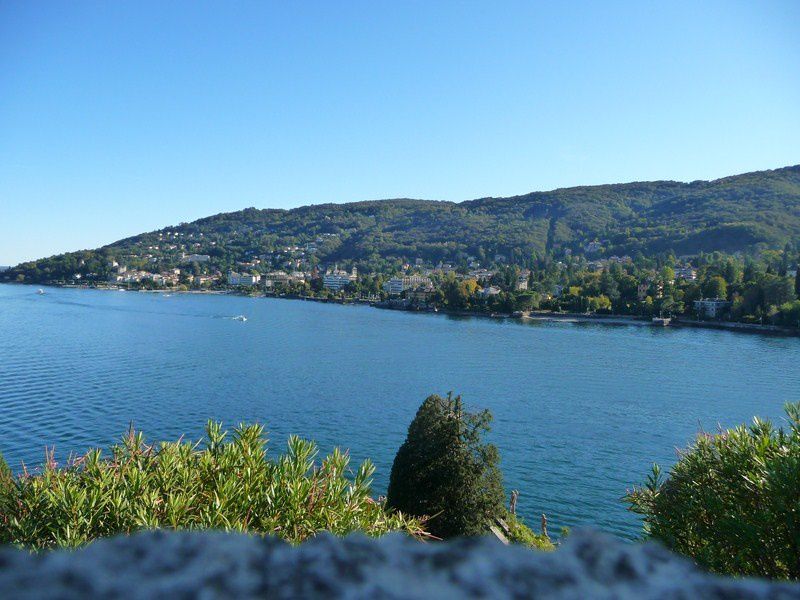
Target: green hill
[(742, 213)]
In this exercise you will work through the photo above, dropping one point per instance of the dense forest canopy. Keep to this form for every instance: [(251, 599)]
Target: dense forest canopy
[(744, 213)]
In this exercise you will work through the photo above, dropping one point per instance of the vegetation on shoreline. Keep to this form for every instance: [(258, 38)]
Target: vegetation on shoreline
[(228, 483), (763, 291), (732, 501)]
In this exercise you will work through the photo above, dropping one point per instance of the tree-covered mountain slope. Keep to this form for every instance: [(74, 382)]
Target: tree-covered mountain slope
[(743, 213)]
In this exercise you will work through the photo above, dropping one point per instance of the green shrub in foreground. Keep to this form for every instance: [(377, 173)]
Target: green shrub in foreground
[(732, 501), (520, 533), (229, 485), (5, 472), (446, 472), (6, 483)]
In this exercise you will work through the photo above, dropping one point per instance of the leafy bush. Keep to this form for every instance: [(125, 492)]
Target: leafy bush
[(444, 471), (732, 501), (5, 472), (6, 483), (520, 533), (229, 485)]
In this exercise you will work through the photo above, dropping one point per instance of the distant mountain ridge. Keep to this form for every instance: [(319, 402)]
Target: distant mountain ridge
[(735, 213), (741, 213)]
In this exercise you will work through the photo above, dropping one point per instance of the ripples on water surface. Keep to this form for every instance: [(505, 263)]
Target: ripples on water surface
[(581, 411)]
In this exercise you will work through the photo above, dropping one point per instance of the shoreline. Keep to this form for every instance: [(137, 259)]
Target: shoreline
[(541, 316), (675, 322), (623, 320)]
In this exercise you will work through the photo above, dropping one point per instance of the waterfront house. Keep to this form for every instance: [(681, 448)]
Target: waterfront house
[(274, 278), (336, 279), (422, 293), (489, 291), (243, 279), (711, 308), (397, 285)]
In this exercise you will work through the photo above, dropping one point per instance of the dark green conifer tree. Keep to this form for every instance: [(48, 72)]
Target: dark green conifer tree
[(445, 471), (797, 282)]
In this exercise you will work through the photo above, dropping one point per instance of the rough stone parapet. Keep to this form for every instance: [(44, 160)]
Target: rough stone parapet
[(161, 564)]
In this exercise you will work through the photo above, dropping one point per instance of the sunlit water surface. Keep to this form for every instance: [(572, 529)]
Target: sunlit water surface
[(581, 411)]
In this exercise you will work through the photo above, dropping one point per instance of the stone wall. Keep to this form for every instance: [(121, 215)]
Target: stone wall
[(161, 564)]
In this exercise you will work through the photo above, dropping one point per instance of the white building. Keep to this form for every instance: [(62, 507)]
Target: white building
[(276, 277), (397, 285), (481, 274), (336, 279), (198, 258), (685, 273), (243, 278), (711, 308)]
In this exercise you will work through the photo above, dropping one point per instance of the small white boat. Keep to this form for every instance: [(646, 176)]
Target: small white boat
[(240, 318), (40, 291)]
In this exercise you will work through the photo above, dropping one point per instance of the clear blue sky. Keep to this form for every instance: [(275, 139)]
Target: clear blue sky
[(123, 117)]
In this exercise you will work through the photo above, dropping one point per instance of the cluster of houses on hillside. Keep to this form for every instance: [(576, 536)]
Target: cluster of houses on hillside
[(268, 280), (333, 279), (415, 282), (121, 274)]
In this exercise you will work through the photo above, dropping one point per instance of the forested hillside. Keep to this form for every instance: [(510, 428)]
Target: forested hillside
[(743, 213)]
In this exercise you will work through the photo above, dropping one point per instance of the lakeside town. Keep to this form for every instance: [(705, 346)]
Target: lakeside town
[(713, 289)]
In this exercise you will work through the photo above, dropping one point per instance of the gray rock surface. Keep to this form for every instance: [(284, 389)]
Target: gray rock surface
[(160, 564)]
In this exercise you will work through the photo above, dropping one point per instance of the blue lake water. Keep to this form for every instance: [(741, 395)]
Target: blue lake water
[(581, 411)]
